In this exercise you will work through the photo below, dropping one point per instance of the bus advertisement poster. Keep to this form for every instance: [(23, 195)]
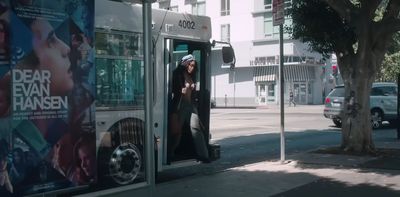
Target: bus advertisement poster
[(47, 76)]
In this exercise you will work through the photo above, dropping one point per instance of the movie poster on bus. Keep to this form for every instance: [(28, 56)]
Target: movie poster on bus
[(6, 186), (50, 88)]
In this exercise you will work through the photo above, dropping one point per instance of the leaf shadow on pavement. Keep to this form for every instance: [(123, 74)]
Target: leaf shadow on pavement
[(346, 174), (274, 179), (333, 188), (244, 150)]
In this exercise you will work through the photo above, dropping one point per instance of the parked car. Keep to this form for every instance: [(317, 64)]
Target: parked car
[(383, 103)]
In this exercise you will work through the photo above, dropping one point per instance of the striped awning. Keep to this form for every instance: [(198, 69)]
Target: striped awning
[(265, 73), (291, 73)]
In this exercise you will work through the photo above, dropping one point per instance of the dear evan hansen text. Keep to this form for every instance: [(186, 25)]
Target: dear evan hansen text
[(31, 91)]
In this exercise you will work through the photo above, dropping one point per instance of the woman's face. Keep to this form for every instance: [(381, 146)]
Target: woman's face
[(191, 67), (53, 55), (88, 160)]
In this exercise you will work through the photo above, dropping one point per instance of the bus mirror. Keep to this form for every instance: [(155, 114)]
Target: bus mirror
[(228, 55)]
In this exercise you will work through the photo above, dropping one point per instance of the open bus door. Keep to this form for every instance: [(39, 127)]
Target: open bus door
[(190, 144)]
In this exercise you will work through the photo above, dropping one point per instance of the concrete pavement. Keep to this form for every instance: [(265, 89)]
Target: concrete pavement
[(302, 174), (273, 108)]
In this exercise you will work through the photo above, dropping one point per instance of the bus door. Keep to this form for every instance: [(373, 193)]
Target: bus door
[(182, 143)]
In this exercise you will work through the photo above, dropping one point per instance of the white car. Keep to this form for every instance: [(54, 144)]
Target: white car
[(383, 104)]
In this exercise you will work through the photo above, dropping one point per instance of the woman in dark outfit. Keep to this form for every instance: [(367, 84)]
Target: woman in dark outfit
[(183, 110)]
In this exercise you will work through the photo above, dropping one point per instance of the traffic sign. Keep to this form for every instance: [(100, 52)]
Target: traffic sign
[(278, 12)]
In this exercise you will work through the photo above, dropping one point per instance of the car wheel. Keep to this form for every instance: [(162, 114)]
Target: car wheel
[(376, 119), (337, 122)]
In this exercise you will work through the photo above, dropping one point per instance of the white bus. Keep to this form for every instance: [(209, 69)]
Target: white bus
[(120, 88), (72, 89)]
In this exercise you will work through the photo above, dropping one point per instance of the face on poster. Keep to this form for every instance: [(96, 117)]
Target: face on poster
[(47, 94)]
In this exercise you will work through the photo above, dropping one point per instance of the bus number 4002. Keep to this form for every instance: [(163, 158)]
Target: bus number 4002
[(187, 24)]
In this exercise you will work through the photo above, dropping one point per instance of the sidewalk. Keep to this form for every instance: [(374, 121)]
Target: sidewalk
[(303, 174), (274, 108)]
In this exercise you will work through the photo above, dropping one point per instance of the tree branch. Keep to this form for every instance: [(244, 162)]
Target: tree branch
[(390, 22), (370, 7), (390, 25), (392, 10), (343, 7)]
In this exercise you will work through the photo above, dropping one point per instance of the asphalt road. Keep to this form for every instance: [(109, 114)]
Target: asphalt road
[(252, 135)]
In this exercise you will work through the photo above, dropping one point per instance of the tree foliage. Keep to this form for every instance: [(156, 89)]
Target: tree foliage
[(316, 23), (391, 64), (360, 33)]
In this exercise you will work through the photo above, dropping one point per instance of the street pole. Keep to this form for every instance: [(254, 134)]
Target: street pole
[(234, 87), (148, 83), (398, 106), (282, 93)]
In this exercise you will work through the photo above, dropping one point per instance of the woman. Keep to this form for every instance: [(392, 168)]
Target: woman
[(183, 110), (85, 159), (62, 158)]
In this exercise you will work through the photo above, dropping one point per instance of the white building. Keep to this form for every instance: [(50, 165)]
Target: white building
[(247, 25)]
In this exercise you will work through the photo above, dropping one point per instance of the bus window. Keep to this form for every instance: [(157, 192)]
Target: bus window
[(120, 71), (119, 44), (119, 83)]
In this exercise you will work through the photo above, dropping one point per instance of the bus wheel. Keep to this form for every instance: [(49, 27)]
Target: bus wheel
[(125, 163)]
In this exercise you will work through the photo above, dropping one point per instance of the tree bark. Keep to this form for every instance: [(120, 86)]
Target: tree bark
[(359, 64), (357, 71)]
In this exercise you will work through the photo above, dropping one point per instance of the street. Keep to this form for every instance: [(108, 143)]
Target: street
[(226, 123), (248, 136)]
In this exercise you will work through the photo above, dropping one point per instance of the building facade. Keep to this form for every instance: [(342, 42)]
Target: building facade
[(255, 79)]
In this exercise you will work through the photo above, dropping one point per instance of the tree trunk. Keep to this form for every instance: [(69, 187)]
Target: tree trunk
[(359, 62), (356, 123)]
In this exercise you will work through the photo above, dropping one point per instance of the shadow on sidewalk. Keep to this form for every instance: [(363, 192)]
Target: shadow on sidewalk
[(275, 179), (349, 175), (332, 188), (309, 174)]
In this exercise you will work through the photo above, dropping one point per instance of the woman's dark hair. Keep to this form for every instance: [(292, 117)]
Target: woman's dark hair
[(194, 74), (6, 31), (5, 87), (3, 7), (87, 139)]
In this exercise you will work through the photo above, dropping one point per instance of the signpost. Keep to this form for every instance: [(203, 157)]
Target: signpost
[(398, 106), (278, 16), (278, 12)]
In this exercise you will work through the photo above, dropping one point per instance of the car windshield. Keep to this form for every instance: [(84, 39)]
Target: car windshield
[(337, 92)]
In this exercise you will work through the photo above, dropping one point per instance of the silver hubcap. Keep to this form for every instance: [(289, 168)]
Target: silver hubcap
[(125, 163)]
